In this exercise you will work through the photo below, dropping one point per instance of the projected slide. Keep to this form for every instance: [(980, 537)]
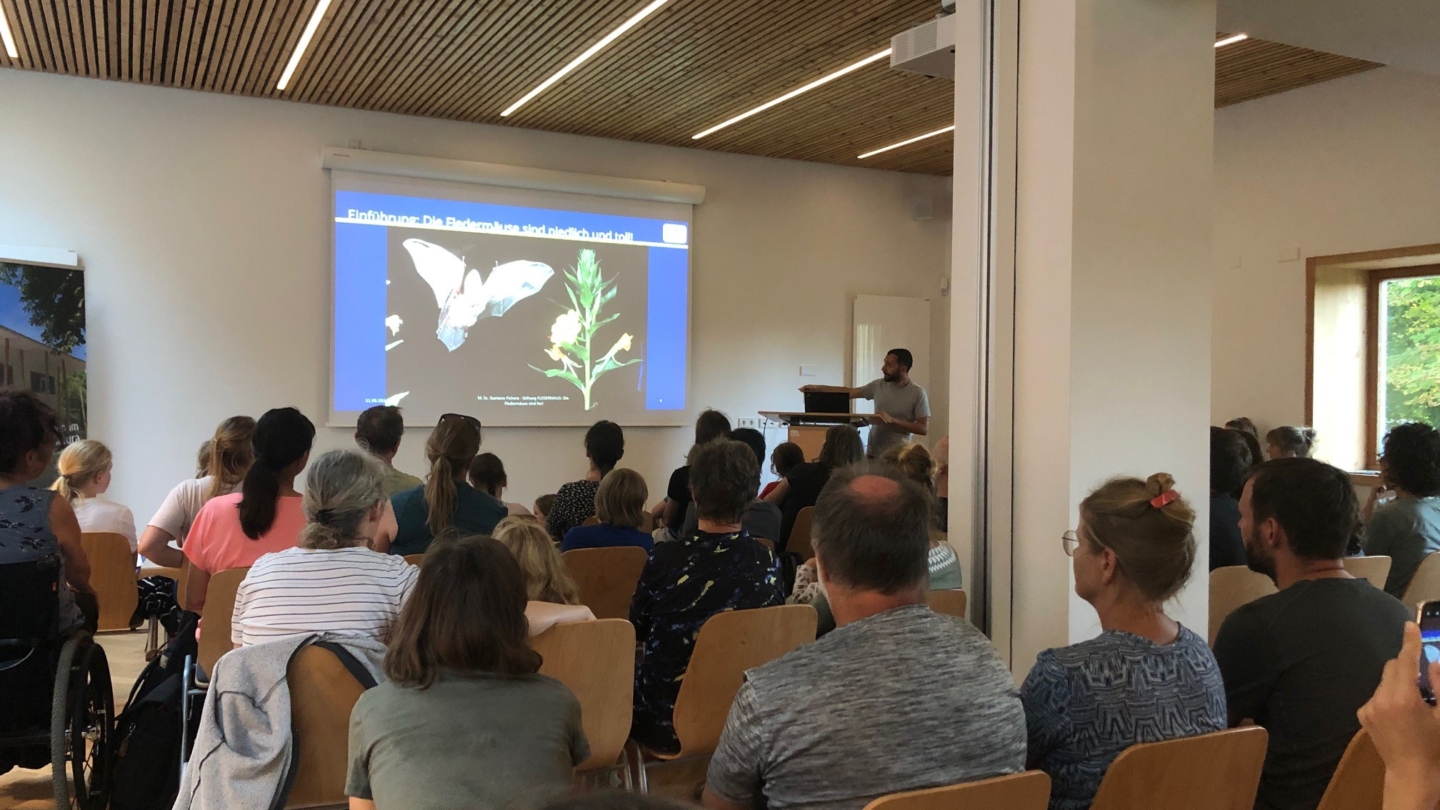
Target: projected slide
[(516, 315)]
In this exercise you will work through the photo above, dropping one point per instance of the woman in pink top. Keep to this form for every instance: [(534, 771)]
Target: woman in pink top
[(233, 531)]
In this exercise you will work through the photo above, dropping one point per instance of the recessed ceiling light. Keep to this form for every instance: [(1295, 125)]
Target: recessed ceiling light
[(10, 49), (589, 52), (1231, 40), (829, 77), (304, 43), (908, 141)]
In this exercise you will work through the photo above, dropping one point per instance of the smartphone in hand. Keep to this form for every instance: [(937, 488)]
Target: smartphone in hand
[(1428, 617)]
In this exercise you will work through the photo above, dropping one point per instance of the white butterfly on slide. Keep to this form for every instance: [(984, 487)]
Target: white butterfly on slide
[(463, 297)]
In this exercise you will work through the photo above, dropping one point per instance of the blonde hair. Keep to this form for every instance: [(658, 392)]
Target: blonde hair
[(1154, 544), (452, 445), (341, 487), (914, 462), (231, 454), (620, 500), (80, 463), (545, 576)]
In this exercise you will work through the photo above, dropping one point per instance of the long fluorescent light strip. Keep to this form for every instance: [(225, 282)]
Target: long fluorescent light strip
[(793, 93), (303, 43), (589, 52), (5, 34), (1231, 40), (908, 141)]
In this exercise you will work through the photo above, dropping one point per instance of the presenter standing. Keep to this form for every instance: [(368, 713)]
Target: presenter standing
[(902, 408)]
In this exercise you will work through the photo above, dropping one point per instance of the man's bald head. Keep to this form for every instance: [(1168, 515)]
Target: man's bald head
[(872, 529)]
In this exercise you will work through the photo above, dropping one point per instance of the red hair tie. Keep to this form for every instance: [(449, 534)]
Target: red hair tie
[(1160, 501)]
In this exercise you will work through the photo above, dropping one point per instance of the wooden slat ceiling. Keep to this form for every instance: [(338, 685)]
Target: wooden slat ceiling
[(689, 66)]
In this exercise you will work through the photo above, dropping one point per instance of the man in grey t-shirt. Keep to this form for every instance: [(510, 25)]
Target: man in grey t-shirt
[(896, 698), (902, 408)]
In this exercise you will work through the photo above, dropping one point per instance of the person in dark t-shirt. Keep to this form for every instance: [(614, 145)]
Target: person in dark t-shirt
[(670, 513), (1230, 460), (801, 488)]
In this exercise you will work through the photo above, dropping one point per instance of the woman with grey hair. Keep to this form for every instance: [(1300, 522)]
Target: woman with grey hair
[(333, 582)]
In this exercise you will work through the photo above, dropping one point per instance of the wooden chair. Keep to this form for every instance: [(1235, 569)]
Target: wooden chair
[(728, 644), (770, 544), (948, 602), (1231, 587), (1425, 585), (1359, 780), (606, 578), (1375, 569), (799, 542), (112, 575), (415, 559), (597, 661), (322, 694), (1217, 771), (1020, 791), (215, 618)]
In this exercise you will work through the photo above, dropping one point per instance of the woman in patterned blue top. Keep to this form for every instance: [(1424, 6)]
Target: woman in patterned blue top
[(1145, 678)]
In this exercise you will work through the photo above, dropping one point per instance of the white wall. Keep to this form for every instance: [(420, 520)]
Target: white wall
[(202, 222), (1348, 165)]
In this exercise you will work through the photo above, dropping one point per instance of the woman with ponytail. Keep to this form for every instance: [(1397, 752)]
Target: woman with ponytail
[(446, 506), (1145, 678), (226, 462), (84, 475), (331, 583), (235, 530)]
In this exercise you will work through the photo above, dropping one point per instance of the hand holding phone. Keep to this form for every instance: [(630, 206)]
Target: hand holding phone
[(1404, 730), (1428, 618)]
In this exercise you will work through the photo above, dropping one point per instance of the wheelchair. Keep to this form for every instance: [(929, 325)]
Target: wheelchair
[(56, 702)]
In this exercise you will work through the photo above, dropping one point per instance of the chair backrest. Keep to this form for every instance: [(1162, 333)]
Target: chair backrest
[(29, 603), (415, 559), (1425, 585), (728, 644), (322, 694), (1020, 791), (1231, 587), (770, 544), (1217, 771), (1359, 780), (606, 578), (182, 584), (597, 661), (799, 542), (1375, 569), (215, 617), (112, 575), (948, 602)]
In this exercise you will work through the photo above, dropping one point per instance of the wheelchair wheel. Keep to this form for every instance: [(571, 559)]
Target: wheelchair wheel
[(82, 716)]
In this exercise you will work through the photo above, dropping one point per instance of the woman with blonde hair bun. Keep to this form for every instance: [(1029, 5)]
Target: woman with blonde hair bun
[(1145, 678), (226, 463), (84, 468)]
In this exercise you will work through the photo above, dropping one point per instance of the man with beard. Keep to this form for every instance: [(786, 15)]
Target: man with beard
[(1301, 662), (902, 408)]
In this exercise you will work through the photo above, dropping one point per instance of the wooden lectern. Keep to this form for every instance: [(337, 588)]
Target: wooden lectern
[(808, 429)]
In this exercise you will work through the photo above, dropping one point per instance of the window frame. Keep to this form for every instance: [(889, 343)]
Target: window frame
[(1373, 417)]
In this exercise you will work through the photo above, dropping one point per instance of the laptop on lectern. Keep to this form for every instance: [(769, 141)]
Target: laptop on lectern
[(827, 402)]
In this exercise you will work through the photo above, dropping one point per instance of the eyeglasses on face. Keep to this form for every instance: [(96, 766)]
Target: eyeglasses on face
[(1069, 541)]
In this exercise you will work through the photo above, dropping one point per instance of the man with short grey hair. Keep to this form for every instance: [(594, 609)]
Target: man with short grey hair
[(896, 698)]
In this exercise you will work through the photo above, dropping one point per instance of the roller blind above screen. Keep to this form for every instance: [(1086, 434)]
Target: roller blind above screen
[(520, 306)]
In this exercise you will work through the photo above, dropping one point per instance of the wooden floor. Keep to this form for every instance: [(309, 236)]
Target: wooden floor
[(22, 789)]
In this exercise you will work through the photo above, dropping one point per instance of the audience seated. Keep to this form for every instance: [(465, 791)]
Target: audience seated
[(487, 474), (331, 583), (785, 457), (546, 579), (720, 567), (620, 505), (1407, 529), (446, 504), (1302, 661), (1251, 434), (1145, 678), (802, 486), (762, 518), (1290, 442), (235, 530), (897, 698), (575, 501), (84, 476), (543, 505), (227, 462), (379, 431), (463, 720), (670, 513), (1230, 461), (34, 524), (1406, 731)]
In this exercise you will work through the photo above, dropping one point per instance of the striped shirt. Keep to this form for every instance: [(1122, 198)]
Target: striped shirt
[(348, 591)]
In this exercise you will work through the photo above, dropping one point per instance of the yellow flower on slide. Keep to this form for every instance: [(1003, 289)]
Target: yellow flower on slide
[(566, 328), (621, 345), (554, 352)]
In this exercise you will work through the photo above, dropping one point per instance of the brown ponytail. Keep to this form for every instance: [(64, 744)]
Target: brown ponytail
[(452, 445), (1147, 525), (230, 454)]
